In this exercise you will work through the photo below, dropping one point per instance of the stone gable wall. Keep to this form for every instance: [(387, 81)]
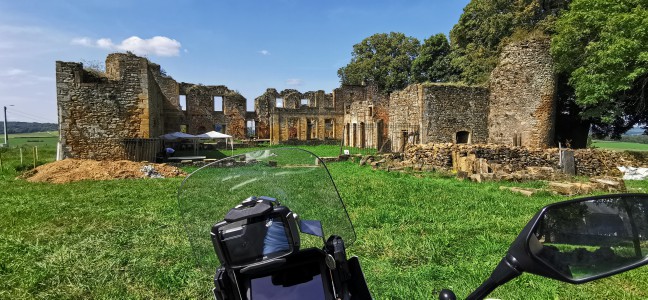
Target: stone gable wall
[(449, 109), (96, 112)]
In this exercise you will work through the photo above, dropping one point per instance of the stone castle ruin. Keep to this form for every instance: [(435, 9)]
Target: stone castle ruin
[(135, 102)]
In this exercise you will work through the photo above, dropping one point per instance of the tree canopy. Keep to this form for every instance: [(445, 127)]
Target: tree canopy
[(601, 44), (433, 61), (383, 59), (486, 25)]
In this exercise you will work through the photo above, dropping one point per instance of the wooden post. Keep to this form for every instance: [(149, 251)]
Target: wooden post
[(34, 156), (36, 149), (21, 156)]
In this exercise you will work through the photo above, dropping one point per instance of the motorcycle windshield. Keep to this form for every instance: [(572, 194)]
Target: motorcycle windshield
[(297, 178)]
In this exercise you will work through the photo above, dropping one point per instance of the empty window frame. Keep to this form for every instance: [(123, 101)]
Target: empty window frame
[(218, 103), (305, 102), (183, 102), (251, 128), (462, 137), (279, 102)]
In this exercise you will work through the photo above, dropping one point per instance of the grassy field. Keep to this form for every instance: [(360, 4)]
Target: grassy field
[(123, 239), (619, 146)]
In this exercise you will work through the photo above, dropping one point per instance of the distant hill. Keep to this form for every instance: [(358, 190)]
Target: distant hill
[(635, 131), (27, 127)]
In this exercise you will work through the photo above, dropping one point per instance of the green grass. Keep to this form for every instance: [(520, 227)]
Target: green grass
[(620, 146), (123, 239), (320, 150)]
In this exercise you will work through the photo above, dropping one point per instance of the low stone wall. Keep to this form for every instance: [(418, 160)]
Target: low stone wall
[(508, 159)]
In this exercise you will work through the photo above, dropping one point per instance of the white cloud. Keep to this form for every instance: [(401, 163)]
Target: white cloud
[(294, 82), (157, 45), (264, 52), (84, 41), (13, 72)]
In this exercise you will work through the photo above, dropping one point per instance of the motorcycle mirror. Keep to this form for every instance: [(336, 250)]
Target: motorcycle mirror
[(590, 238), (577, 241)]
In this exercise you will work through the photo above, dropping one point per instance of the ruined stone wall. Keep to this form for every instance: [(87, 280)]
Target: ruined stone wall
[(302, 116), (508, 159), (202, 116), (365, 115), (522, 96), (405, 117), (96, 112), (454, 114), (172, 114)]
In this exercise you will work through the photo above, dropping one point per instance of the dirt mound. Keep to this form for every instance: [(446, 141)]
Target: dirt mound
[(69, 170)]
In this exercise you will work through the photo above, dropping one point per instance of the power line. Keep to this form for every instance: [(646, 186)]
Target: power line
[(36, 118)]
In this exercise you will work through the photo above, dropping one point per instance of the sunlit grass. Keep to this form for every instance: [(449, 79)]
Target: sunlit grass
[(416, 234)]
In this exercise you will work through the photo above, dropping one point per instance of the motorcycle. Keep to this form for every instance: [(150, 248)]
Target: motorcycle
[(271, 224)]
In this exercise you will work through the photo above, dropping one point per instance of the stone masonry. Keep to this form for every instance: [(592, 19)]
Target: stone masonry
[(523, 96), (135, 99), (441, 113)]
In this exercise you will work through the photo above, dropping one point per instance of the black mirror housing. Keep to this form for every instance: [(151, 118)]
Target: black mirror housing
[(585, 239)]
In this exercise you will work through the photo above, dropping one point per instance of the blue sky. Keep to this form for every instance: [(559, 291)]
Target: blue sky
[(246, 45)]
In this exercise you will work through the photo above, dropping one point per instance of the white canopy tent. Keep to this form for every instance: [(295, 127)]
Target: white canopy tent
[(177, 136), (214, 135)]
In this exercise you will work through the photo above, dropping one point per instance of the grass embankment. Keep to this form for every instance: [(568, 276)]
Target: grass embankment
[(620, 146), (416, 235)]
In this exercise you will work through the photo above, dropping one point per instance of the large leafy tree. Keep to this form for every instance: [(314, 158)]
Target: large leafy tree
[(382, 59), (486, 25), (433, 61), (601, 44)]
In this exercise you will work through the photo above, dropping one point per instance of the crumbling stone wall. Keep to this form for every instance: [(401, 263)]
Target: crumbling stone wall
[(365, 115), (172, 114), (432, 112), (405, 117), (452, 113), (509, 159), (203, 116), (316, 119), (522, 96), (97, 111)]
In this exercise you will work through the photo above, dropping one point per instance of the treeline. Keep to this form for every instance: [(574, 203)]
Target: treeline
[(28, 127), (598, 46)]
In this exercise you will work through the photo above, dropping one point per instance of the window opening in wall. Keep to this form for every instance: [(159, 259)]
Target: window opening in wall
[(309, 129), (462, 137), (219, 128), (370, 111), (279, 102), (328, 128), (305, 102), (347, 109), (183, 128), (183, 102), (218, 103), (251, 128)]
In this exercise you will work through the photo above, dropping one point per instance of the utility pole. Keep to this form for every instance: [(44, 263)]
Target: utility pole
[(6, 143), (6, 136)]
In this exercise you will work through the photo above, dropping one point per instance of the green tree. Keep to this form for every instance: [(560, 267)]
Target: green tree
[(486, 25), (433, 61), (383, 59), (601, 44)]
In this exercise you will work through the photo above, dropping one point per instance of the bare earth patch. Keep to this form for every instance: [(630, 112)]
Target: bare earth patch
[(69, 170)]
